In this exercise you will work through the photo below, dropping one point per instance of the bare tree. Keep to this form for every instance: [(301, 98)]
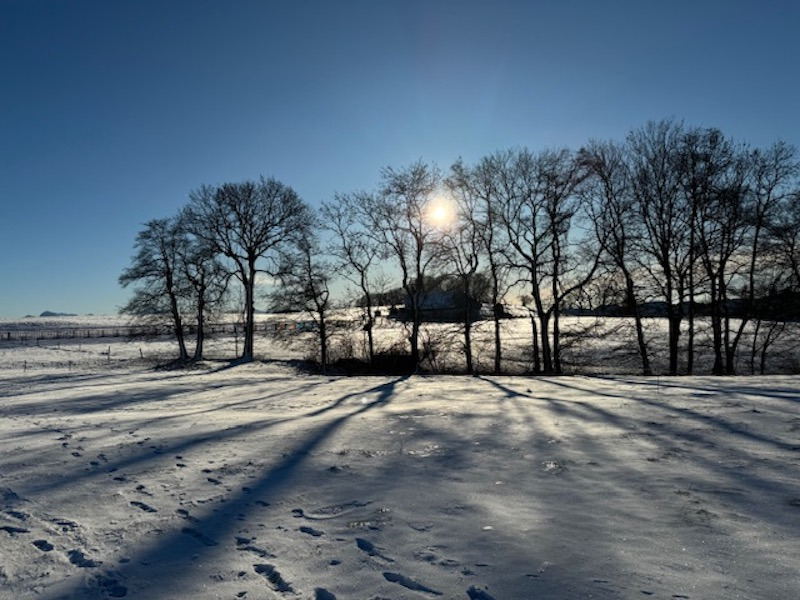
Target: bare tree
[(773, 181), (155, 268), (666, 219), (785, 230), (253, 224), (572, 264), (462, 246), (520, 209), (399, 221), (476, 193), (304, 277), (713, 179), (206, 277), (612, 210), (356, 251), (538, 198)]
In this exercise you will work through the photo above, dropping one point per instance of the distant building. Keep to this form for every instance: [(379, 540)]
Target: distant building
[(444, 306)]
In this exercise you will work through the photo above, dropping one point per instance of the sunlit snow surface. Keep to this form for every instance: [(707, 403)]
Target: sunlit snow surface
[(254, 481)]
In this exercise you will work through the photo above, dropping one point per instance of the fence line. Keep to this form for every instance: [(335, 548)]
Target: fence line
[(20, 334)]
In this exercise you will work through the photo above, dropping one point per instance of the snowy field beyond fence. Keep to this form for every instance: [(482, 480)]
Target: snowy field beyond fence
[(589, 345)]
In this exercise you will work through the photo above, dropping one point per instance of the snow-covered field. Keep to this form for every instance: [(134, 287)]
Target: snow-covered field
[(589, 345), (257, 481)]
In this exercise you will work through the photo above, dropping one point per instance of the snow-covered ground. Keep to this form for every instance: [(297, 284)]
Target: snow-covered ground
[(255, 481)]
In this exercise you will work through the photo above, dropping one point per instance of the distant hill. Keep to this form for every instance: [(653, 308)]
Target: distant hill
[(49, 313)]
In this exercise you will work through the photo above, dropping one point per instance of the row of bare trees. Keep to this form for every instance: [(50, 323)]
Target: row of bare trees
[(679, 217), (184, 264), (689, 217), (682, 218)]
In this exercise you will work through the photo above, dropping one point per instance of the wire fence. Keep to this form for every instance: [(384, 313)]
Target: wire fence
[(23, 334)]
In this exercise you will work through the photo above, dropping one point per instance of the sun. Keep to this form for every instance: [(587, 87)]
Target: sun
[(440, 214)]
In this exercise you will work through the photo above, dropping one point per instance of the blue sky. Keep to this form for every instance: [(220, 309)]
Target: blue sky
[(111, 111)]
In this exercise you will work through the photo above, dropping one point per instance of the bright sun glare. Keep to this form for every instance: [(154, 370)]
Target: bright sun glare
[(440, 214)]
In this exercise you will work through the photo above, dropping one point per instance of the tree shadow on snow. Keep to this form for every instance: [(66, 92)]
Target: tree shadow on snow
[(172, 554)]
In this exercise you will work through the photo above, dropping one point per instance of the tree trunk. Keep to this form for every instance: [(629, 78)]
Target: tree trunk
[(370, 334), (690, 339), (673, 324), (497, 343), (467, 289), (633, 306), (414, 338), (547, 357), (370, 318), (754, 347), (496, 314), (183, 353), (716, 326), (730, 349), (544, 318), (537, 365), (323, 342), (468, 345), (556, 340), (249, 325), (177, 323), (200, 337)]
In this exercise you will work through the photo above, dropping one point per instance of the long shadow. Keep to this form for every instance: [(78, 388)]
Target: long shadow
[(503, 436), (779, 393), (219, 522), (38, 384), (111, 399), (155, 450), (507, 391), (729, 477), (708, 420), (707, 455)]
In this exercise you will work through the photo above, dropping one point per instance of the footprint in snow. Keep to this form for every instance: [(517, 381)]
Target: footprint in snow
[(273, 577), (143, 506), (43, 545), (311, 531), (182, 512), (12, 531), (246, 545), (409, 583), (78, 558), (66, 524), (372, 549), (199, 536), (260, 552), (476, 594)]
